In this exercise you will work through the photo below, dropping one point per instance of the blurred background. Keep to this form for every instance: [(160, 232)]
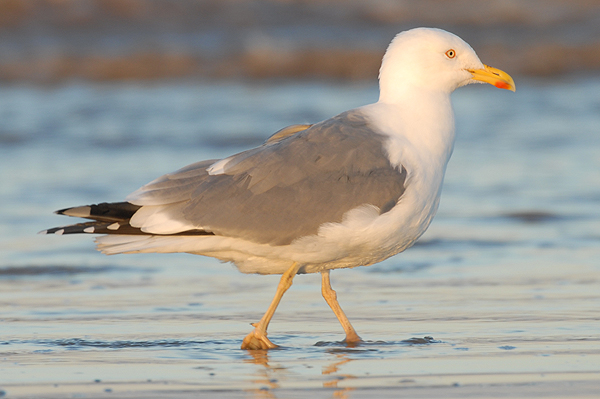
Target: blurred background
[(98, 97), (49, 41)]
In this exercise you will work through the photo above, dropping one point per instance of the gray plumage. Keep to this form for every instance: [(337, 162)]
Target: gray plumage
[(302, 177), (286, 188)]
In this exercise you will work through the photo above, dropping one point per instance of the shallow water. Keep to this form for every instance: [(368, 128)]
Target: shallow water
[(500, 298)]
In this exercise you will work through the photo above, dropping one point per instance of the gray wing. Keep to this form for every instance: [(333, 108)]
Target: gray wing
[(286, 188)]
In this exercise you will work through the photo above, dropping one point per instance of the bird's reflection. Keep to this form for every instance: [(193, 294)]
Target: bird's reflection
[(332, 369), (268, 377)]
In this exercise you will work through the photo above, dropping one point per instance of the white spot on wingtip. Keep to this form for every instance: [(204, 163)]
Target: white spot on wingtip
[(59, 232), (43, 232), (89, 229), (114, 226)]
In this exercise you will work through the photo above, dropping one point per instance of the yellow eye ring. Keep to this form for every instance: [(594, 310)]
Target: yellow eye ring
[(451, 53)]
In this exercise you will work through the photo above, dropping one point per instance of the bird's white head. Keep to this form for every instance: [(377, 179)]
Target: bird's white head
[(428, 59)]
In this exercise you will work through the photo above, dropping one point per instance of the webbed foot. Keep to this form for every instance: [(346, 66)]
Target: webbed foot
[(257, 340)]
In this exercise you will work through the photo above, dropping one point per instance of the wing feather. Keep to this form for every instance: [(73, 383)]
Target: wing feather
[(280, 191)]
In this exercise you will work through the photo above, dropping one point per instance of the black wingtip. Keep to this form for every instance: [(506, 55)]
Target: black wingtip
[(105, 212)]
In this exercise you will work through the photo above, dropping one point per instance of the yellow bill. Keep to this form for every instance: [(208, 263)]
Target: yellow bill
[(494, 76)]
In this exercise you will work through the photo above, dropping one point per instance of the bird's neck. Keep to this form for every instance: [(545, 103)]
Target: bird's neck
[(418, 118)]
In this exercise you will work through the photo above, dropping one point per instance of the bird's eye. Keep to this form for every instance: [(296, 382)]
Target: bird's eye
[(451, 53)]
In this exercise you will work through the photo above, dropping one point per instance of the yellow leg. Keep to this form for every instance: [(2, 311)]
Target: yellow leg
[(257, 339), (331, 298)]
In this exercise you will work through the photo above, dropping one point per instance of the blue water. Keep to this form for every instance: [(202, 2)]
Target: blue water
[(506, 280)]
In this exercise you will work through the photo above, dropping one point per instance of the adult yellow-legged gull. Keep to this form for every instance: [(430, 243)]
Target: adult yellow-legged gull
[(350, 191)]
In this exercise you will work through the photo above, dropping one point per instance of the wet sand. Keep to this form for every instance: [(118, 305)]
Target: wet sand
[(512, 330), (500, 298)]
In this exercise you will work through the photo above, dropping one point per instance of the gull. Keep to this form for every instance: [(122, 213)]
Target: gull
[(349, 191)]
